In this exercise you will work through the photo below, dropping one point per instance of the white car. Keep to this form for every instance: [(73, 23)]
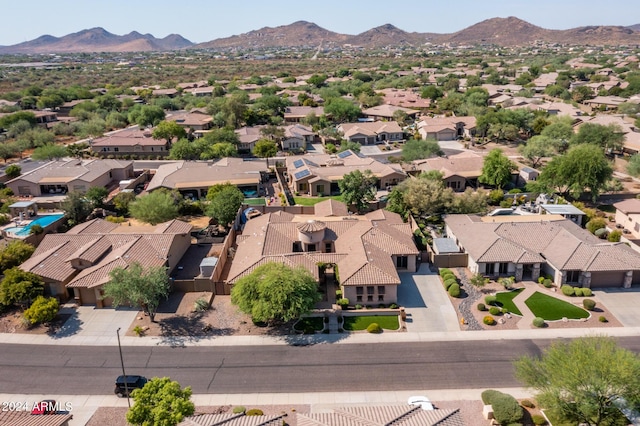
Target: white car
[(421, 401)]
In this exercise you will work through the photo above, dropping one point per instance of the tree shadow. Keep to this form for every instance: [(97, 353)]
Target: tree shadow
[(65, 325), (179, 330)]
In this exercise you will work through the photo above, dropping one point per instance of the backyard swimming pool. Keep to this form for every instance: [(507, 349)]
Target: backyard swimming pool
[(43, 221)]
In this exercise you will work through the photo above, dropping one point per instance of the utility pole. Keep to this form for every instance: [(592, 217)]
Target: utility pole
[(126, 385)]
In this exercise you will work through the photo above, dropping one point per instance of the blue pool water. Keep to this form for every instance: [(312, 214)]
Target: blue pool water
[(43, 221)]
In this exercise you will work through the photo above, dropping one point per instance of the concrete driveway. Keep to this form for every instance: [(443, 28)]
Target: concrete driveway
[(623, 303), (426, 303)]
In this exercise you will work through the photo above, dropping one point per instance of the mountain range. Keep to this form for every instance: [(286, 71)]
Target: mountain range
[(509, 31)]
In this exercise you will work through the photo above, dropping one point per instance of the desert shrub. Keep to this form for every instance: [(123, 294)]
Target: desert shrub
[(200, 305), (594, 224), (538, 322), (454, 290), (538, 420), (494, 310), (489, 320), (489, 395), (589, 304), (339, 294), (587, 292), (527, 403), (358, 306), (540, 280), (239, 409), (254, 412), (577, 291), (115, 219), (343, 303), (138, 330), (393, 306), (482, 307), (36, 229), (449, 283), (43, 309), (601, 233), (602, 318), (443, 271), (448, 276), (614, 236), (374, 327), (567, 290), (547, 283), (506, 409), (490, 300)]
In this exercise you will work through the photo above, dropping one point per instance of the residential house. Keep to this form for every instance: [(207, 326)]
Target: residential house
[(628, 216), (459, 171), (77, 264), (370, 133), (195, 120), (296, 137), (295, 114), (447, 128), (605, 102), (404, 98), (528, 247), (319, 174), (130, 141), (376, 415), (248, 136), (385, 112), (194, 178), (62, 176), (170, 93), (367, 251)]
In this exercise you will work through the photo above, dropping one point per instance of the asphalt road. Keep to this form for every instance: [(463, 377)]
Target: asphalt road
[(88, 370)]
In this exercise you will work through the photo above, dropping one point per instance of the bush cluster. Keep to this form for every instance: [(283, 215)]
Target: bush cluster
[(587, 292), (506, 409), (374, 327), (454, 290), (482, 307), (490, 300), (254, 412), (602, 318), (489, 320), (494, 310), (449, 282), (538, 322), (239, 409), (589, 304), (538, 420), (567, 290)]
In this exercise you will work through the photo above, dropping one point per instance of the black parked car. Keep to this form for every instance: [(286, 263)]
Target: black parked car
[(132, 382)]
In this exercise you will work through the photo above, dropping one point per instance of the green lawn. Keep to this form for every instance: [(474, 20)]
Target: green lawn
[(361, 322), (254, 201), (312, 201), (552, 309), (504, 299), (311, 323)]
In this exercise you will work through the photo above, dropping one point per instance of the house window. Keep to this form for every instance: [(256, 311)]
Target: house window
[(573, 276), (328, 247), (358, 298), (370, 289), (370, 298), (105, 149), (359, 290), (302, 187), (111, 174), (116, 149), (297, 247), (381, 298), (402, 261), (320, 189), (381, 289), (311, 247), (503, 268)]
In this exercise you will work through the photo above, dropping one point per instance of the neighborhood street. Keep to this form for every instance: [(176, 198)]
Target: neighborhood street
[(91, 370)]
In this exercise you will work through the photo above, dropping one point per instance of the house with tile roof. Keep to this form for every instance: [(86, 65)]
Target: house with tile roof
[(196, 120), (446, 128), (194, 178), (295, 114), (296, 137), (368, 250), (130, 141), (77, 264), (320, 174), (533, 246), (385, 112), (248, 136), (628, 216), (371, 133), (63, 176), (377, 415), (459, 171)]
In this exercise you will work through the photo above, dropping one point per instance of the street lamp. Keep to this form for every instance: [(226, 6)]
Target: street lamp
[(126, 386)]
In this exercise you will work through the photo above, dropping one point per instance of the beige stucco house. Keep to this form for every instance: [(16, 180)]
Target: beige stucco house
[(459, 171), (63, 176), (366, 252), (370, 133), (628, 216), (77, 264), (131, 142), (528, 247), (446, 128)]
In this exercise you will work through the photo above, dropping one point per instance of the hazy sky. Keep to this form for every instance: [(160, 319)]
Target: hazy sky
[(205, 20)]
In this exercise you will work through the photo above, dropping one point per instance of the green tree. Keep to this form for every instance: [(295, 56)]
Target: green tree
[(584, 379), (138, 286), (122, 200), (161, 402), (417, 149), (497, 169), (14, 253), (424, 196), (169, 130), (275, 292), (224, 204), (49, 152), (610, 137), (7, 120), (8, 150), (265, 148), (342, 110), (584, 167), (469, 202), (537, 148), (155, 207), (96, 195), (346, 145), (146, 115), (317, 80), (13, 171), (184, 149), (219, 150), (358, 188), (20, 287), (42, 310), (633, 168), (214, 190), (76, 207)]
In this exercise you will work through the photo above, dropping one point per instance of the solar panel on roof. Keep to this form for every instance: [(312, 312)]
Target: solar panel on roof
[(302, 173), (344, 154), (298, 163)]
